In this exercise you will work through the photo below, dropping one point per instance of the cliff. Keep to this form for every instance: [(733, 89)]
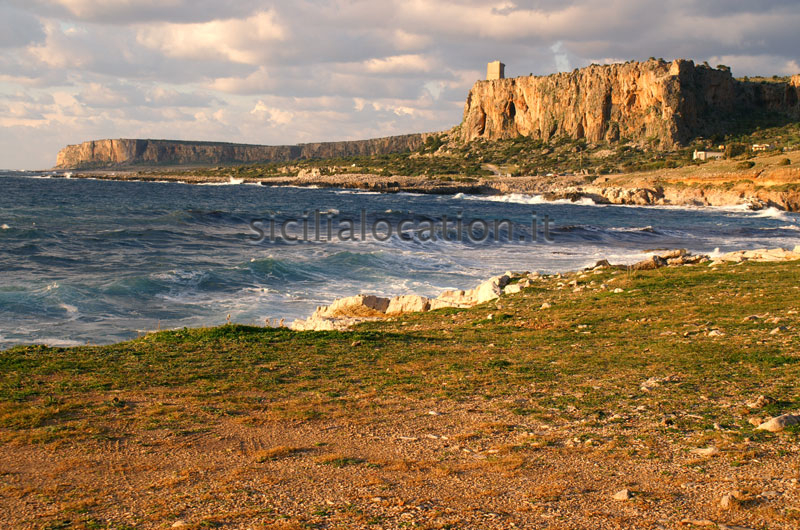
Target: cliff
[(129, 152), (665, 104)]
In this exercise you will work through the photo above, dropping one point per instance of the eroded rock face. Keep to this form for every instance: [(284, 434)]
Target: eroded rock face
[(128, 152), (652, 101)]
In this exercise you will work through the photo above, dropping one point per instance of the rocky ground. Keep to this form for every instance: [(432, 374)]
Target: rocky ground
[(605, 398)]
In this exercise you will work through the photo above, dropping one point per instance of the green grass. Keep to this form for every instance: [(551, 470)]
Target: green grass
[(590, 351)]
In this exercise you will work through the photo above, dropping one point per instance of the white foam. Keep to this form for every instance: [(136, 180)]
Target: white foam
[(231, 182), (68, 308), (5, 226), (356, 192), (773, 213), (522, 198), (60, 343)]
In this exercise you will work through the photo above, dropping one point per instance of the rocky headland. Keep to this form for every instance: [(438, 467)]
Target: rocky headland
[(126, 152), (663, 103)]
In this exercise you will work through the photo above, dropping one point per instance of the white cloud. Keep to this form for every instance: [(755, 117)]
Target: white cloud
[(399, 64), (274, 115), (238, 40)]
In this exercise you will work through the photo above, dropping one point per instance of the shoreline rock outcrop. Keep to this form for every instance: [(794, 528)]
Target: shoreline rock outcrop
[(344, 313)]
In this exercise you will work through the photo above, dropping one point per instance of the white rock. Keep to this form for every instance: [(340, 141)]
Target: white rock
[(716, 333), (179, 524), (779, 423), (618, 290), (546, 305), (705, 451), (622, 495), (362, 305), (409, 303)]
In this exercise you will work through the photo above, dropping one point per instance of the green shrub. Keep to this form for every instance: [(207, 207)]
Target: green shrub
[(735, 149), (745, 164), (784, 162)]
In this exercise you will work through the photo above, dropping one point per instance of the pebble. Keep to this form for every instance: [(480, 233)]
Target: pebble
[(777, 330), (728, 501), (622, 495), (179, 524), (705, 451), (760, 402), (755, 421), (715, 333), (546, 305), (617, 290)]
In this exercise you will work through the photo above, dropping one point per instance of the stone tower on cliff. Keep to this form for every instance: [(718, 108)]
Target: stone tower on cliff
[(495, 70)]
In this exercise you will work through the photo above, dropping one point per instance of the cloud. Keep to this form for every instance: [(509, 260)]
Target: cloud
[(276, 116), (18, 28), (244, 41), (267, 72), (399, 64)]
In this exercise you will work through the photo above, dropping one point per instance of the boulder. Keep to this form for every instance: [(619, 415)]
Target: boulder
[(362, 305), (654, 262), (672, 254), (779, 423), (409, 303), (490, 289)]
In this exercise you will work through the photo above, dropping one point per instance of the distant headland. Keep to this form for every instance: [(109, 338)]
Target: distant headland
[(656, 103)]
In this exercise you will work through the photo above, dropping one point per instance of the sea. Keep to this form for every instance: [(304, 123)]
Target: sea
[(87, 261)]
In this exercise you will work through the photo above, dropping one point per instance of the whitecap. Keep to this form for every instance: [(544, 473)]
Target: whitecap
[(522, 198), (5, 226), (774, 213)]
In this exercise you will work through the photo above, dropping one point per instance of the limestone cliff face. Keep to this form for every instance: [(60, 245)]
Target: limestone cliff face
[(128, 152), (664, 103)]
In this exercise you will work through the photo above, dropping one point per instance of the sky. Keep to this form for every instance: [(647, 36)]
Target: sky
[(262, 72)]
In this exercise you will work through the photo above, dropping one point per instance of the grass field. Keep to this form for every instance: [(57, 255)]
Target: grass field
[(504, 414)]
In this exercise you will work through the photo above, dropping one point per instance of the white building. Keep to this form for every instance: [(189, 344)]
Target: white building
[(707, 155)]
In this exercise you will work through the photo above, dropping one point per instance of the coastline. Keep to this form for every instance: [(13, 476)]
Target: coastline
[(344, 313), (775, 188)]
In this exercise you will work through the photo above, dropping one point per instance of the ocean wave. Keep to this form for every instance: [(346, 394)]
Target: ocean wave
[(356, 192), (775, 213), (231, 182), (521, 198)]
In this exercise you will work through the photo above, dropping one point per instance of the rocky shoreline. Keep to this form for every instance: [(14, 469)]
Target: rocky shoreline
[(616, 189), (344, 313)]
